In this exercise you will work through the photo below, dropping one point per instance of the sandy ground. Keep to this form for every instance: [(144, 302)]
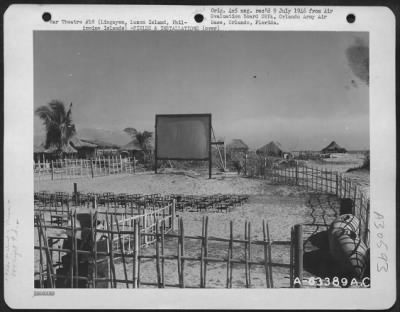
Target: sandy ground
[(280, 206)]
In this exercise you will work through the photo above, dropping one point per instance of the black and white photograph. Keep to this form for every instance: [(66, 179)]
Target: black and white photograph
[(226, 160), (201, 159)]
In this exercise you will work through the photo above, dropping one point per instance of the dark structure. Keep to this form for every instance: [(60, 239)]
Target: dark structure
[(334, 148)]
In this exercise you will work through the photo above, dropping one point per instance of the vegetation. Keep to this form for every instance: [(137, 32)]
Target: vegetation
[(58, 122), (365, 164), (142, 140)]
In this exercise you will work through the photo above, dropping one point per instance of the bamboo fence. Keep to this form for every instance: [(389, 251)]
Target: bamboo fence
[(331, 182), (90, 168), (113, 246)]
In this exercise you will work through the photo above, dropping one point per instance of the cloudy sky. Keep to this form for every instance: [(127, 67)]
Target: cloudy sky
[(303, 89)]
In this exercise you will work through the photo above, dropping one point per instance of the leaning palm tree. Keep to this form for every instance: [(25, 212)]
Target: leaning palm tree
[(58, 122), (141, 139)]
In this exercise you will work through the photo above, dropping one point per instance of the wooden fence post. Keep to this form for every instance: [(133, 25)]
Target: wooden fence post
[(136, 255), (297, 174), (173, 207), (91, 168), (298, 254), (134, 165), (245, 164), (76, 193), (52, 170)]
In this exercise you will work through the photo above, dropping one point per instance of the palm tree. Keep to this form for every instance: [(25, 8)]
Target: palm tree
[(141, 139), (58, 122)]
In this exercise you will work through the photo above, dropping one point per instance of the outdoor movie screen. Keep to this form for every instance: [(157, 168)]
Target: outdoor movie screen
[(183, 136)]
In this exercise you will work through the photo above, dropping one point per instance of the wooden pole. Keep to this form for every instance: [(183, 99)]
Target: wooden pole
[(76, 194), (270, 258), (136, 255), (162, 254), (134, 165), (76, 254), (249, 251), (246, 255), (266, 267), (182, 253), (228, 258), (245, 164), (202, 253), (291, 257), (158, 255), (121, 247), (52, 170), (91, 168), (179, 255), (40, 252), (173, 207), (205, 252), (298, 253)]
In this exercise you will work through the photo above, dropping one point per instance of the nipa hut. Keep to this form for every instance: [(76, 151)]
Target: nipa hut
[(84, 149), (271, 149), (237, 145), (104, 148), (333, 147)]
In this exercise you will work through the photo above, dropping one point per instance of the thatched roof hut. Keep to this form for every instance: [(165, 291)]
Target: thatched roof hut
[(273, 148), (101, 144), (237, 145), (66, 149), (131, 146), (333, 147)]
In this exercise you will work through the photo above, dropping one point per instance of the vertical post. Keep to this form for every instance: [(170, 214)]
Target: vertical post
[(158, 255), (173, 207), (245, 164), (209, 150), (265, 167), (297, 174), (337, 184), (52, 170), (155, 150), (224, 156), (91, 168), (136, 255), (134, 165), (298, 253), (76, 194)]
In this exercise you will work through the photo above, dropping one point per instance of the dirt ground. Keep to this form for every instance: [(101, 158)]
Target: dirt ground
[(281, 206)]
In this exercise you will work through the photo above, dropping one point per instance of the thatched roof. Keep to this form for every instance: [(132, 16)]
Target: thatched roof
[(273, 148), (333, 147), (39, 148), (237, 144), (101, 144), (67, 149), (76, 142), (131, 146)]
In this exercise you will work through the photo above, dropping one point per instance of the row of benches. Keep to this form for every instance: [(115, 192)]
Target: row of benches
[(218, 202)]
